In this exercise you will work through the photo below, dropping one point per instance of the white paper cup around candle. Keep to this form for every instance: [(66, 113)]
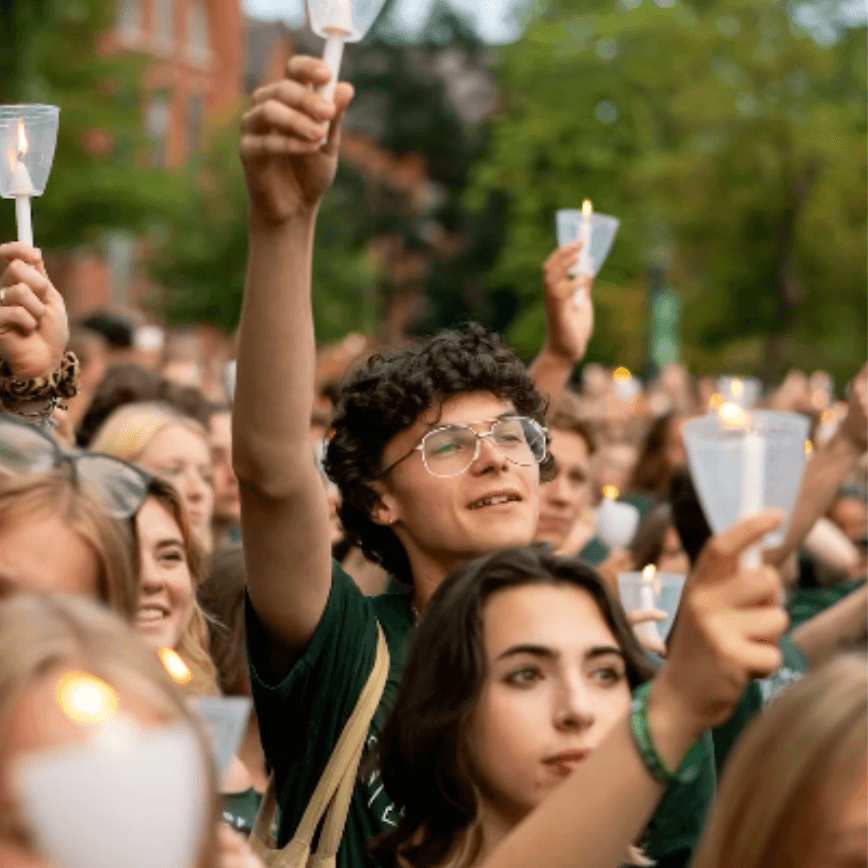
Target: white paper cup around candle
[(616, 522), (225, 719), (597, 232), (663, 592)]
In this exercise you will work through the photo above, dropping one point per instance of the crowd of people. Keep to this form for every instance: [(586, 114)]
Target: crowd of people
[(402, 564)]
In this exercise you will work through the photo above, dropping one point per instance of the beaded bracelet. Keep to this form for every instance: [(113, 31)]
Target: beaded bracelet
[(644, 742)]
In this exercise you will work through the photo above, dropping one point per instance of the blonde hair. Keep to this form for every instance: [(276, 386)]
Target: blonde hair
[(59, 493), (127, 432), (195, 640), (769, 803), (40, 633)]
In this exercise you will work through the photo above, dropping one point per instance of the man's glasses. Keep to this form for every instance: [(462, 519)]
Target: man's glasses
[(119, 486), (451, 449)]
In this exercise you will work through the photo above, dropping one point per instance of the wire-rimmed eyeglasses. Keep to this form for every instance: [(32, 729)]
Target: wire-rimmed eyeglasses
[(450, 449), (120, 487)]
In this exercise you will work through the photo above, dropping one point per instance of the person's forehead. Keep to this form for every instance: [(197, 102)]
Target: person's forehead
[(464, 408), (559, 615), (568, 447)]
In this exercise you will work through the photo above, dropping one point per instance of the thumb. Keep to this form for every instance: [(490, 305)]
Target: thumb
[(343, 96), (721, 553)]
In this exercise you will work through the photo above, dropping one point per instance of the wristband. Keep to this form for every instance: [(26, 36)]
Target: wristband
[(62, 383), (642, 736)]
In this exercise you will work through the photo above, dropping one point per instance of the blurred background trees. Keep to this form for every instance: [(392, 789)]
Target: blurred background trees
[(728, 137)]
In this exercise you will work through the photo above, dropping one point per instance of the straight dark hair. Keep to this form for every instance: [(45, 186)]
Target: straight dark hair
[(426, 764)]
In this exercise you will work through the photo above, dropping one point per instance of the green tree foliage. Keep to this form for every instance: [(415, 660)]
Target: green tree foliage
[(723, 121), (51, 55)]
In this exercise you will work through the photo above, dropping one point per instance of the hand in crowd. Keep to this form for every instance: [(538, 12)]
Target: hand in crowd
[(233, 850), (855, 426), (644, 616), (286, 165), (729, 622), (569, 324), (34, 328)]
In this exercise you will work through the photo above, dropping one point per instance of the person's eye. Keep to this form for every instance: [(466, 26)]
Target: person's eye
[(608, 674), (524, 677), (171, 557)]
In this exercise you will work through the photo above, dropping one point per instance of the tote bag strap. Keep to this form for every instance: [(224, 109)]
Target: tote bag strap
[(334, 790)]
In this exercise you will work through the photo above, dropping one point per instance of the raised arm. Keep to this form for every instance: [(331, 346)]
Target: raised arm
[(827, 469), (283, 507), (568, 325), (727, 631)]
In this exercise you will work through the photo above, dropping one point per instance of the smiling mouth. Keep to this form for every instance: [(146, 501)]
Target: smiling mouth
[(150, 615), (495, 500), (567, 762)]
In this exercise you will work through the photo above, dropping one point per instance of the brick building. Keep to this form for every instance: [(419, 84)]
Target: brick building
[(194, 78)]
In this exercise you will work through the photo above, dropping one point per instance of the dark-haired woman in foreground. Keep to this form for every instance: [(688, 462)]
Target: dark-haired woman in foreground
[(517, 693)]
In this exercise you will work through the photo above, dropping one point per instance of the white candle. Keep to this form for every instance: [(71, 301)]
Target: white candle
[(616, 522), (647, 629), (585, 266), (338, 30), (22, 189), (752, 486)]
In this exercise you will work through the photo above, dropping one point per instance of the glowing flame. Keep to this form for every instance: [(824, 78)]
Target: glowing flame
[(587, 208), (85, 698), (23, 144), (732, 415), (648, 573), (621, 375), (737, 387), (611, 492), (175, 666), (809, 447)]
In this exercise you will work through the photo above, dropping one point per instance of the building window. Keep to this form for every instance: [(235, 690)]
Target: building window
[(156, 128), (129, 18), (164, 14), (198, 37), (195, 122)]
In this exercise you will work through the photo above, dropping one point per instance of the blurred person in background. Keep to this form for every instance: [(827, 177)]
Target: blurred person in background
[(170, 569), (849, 511), (117, 331), (92, 351), (795, 791), (52, 648), (565, 499), (657, 542), (613, 465), (57, 538), (169, 445), (226, 523), (221, 597), (662, 452)]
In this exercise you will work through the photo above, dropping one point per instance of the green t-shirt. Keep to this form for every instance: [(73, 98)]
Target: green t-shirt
[(301, 717), (804, 603), (240, 809), (758, 693)]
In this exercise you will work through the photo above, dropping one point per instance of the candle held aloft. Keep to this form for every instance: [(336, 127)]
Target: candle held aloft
[(585, 265), (647, 600)]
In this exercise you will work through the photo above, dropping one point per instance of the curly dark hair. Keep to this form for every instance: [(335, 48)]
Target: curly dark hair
[(387, 393)]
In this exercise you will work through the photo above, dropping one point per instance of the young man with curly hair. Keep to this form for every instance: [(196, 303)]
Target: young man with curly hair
[(438, 452)]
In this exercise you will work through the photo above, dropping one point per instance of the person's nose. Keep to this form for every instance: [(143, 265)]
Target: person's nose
[(195, 487), (573, 709), (559, 490), (488, 457), (151, 579)]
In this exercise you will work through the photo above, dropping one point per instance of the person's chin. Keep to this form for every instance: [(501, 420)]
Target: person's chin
[(156, 634)]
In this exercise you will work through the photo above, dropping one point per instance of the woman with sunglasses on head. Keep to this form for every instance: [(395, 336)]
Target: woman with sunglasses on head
[(166, 444), (77, 686), (527, 729), (100, 515)]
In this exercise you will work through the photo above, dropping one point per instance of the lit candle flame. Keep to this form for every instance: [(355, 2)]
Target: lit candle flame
[(85, 698), (587, 208), (175, 666), (23, 145), (621, 375), (611, 492), (733, 416), (648, 573), (809, 447)]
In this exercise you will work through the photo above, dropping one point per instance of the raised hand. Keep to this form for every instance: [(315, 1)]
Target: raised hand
[(570, 323), (34, 328), (855, 426), (285, 163), (727, 629)]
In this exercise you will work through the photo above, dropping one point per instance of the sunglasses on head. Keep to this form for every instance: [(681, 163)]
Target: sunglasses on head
[(119, 486)]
